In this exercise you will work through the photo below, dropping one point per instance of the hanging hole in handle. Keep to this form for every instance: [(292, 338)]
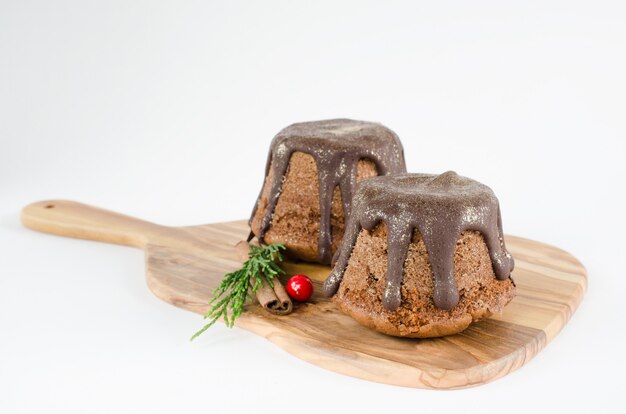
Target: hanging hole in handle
[(49, 206)]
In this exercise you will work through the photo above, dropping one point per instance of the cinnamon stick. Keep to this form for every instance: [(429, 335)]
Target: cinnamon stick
[(273, 299)]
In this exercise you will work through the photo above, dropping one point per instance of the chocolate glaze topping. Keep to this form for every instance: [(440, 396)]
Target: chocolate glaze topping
[(440, 207), (337, 145)]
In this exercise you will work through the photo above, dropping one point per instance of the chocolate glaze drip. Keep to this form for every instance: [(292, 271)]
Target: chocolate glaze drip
[(337, 145), (440, 207)]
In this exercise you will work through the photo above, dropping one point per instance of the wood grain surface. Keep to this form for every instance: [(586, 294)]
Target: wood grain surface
[(184, 264)]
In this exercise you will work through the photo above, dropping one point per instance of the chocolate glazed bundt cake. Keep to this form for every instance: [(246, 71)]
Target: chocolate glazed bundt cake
[(422, 256), (310, 174)]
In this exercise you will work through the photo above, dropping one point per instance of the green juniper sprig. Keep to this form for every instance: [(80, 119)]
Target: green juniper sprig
[(235, 287)]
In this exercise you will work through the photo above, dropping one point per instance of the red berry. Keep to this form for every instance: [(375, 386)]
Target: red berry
[(300, 288)]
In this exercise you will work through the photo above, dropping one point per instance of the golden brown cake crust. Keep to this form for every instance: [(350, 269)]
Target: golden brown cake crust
[(361, 289), (296, 218)]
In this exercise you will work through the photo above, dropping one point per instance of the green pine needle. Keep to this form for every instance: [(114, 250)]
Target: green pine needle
[(231, 294)]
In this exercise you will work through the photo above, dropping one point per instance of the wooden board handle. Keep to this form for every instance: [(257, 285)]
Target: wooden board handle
[(72, 219)]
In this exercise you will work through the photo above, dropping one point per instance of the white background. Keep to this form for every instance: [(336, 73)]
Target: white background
[(165, 110)]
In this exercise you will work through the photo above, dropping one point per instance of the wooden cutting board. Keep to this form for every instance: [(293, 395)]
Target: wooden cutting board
[(184, 264)]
